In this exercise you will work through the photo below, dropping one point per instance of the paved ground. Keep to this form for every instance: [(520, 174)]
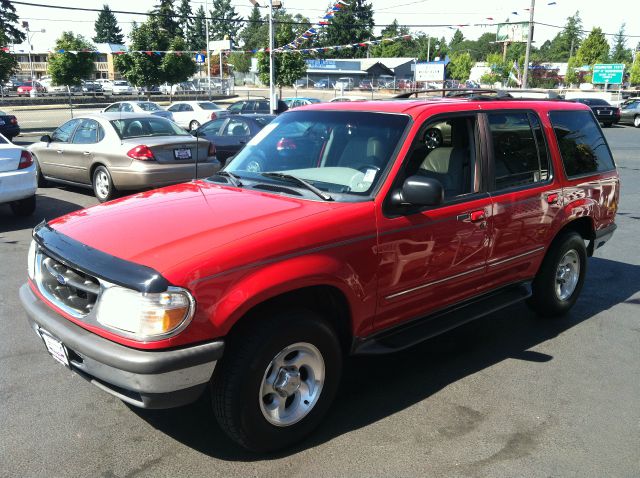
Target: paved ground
[(505, 396)]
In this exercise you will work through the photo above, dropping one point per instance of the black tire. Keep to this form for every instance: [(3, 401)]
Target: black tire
[(237, 381), (194, 125), (103, 187), (636, 121), (24, 207), (545, 300), (607, 125)]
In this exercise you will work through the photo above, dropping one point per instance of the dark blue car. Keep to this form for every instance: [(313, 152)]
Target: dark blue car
[(9, 125)]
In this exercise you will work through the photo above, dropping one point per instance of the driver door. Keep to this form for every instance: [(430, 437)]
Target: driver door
[(51, 156)]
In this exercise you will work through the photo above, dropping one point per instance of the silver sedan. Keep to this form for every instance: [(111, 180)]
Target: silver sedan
[(112, 152)]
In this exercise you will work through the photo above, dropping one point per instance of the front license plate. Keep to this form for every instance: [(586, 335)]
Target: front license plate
[(183, 153), (55, 348)]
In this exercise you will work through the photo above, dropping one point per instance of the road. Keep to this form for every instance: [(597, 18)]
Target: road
[(508, 395)]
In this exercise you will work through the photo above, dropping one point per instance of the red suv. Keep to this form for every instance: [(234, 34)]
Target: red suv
[(339, 229)]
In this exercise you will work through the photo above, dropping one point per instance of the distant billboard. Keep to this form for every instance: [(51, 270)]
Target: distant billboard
[(433, 71), (513, 32), (608, 73)]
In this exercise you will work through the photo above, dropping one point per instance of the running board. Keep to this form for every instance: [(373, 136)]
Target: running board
[(409, 334)]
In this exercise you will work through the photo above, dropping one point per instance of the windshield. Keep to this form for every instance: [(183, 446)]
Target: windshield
[(342, 152), (207, 105), (121, 83), (149, 106), (148, 126)]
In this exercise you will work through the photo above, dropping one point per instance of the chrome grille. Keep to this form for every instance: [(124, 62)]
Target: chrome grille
[(70, 289)]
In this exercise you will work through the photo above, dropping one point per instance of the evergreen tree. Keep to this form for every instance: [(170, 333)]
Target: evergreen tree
[(71, 68), (594, 49), (185, 22), (456, 39), (9, 32), (565, 43), (396, 48), (351, 24), (460, 66), (107, 29), (255, 34), (196, 36), (224, 21), (166, 16), (621, 54)]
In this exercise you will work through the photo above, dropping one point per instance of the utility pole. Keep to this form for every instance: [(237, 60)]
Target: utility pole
[(525, 75), (206, 29), (428, 48), (272, 88)]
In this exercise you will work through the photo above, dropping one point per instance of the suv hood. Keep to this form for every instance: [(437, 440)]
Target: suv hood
[(165, 227)]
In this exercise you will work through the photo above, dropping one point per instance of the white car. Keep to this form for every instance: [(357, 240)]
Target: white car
[(117, 87), (148, 107), (347, 98), (18, 181), (192, 114)]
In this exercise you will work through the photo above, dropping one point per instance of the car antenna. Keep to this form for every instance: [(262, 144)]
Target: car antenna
[(197, 153)]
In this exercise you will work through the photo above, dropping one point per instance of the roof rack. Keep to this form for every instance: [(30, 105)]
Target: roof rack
[(448, 92), (484, 94)]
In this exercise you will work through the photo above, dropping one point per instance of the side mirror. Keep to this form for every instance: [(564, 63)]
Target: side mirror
[(46, 138), (419, 191)]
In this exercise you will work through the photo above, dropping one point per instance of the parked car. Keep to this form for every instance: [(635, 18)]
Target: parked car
[(191, 114), (334, 232), (91, 87), (344, 84), (342, 99), (184, 87), (113, 152), (50, 88), (12, 84), (295, 102), (148, 107), (17, 178), (149, 90), (304, 83), (322, 84), (604, 112), (366, 85), (25, 88), (630, 112), (260, 106), (122, 87), (9, 126), (230, 135)]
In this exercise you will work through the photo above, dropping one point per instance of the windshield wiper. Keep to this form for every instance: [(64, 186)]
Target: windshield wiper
[(289, 177), (232, 178)]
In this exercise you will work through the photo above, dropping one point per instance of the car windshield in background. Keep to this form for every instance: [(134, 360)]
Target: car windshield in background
[(205, 105), (594, 102), (149, 106), (138, 127), (121, 83), (339, 152), (264, 120)]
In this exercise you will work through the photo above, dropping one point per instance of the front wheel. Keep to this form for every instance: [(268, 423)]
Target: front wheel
[(103, 187), (561, 276), (277, 380), (636, 121)]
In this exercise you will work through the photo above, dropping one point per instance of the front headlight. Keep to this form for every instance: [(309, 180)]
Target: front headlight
[(146, 316), (31, 260)]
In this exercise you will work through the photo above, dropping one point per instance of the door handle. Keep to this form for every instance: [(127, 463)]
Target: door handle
[(59, 151), (86, 153), (477, 216)]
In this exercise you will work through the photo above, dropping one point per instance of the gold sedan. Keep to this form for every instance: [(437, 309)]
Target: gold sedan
[(113, 152)]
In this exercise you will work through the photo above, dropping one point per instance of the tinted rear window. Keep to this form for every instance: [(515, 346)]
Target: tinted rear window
[(151, 126), (584, 150), (209, 106)]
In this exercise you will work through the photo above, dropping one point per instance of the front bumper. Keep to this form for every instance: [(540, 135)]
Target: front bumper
[(146, 379)]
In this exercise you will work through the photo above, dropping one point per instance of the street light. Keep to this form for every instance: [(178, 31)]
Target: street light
[(25, 25)]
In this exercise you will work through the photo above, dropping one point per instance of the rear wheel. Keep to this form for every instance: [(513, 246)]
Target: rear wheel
[(24, 207), (277, 380), (559, 281), (103, 187)]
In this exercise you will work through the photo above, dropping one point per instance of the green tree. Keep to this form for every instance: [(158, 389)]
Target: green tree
[(107, 29), (8, 64), (241, 61), (594, 49), (392, 49), (166, 17), (621, 54), (572, 77), (565, 43), (185, 22), (460, 66), (177, 67), (499, 68), (456, 39), (8, 24), (196, 36), (634, 77), (352, 24), (142, 69), (225, 22), (71, 68), (255, 34)]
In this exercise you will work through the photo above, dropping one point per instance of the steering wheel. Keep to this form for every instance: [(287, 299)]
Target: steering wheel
[(433, 138), (255, 163)]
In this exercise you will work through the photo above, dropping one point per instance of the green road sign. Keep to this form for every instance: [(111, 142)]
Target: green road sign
[(611, 73)]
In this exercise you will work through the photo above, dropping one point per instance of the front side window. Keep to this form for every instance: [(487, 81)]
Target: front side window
[(236, 128), (236, 107), (88, 132), (113, 108), (213, 127), (519, 150), (175, 108), (148, 106), (64, 132), (340, 152), (582, 145), (149, 126)]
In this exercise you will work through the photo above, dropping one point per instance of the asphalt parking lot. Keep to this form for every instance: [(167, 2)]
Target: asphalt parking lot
[(508, 395)]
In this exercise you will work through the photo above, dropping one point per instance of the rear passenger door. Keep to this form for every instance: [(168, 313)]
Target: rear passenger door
[(525, 194)]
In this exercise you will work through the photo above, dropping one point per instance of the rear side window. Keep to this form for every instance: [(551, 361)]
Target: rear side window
[(520, 152), (582, 145)]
